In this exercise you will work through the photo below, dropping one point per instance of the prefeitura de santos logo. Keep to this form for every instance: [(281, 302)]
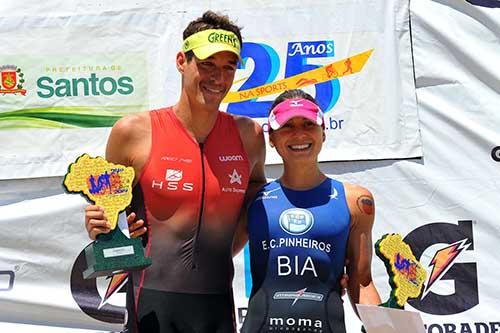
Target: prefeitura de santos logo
[(12, 80)]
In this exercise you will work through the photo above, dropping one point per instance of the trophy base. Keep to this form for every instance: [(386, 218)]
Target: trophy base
[(114, 253)]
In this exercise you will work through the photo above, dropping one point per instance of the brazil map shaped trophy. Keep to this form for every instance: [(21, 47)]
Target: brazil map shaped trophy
[(110, 186), (406, 273)]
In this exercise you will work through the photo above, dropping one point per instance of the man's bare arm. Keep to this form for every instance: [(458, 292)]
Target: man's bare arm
[(128, 144), (130, 141), (253, 140)]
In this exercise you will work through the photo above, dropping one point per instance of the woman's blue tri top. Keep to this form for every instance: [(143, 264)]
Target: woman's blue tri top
[(298, 243)]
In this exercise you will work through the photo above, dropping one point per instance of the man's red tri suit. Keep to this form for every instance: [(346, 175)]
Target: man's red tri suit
[(190, 195)]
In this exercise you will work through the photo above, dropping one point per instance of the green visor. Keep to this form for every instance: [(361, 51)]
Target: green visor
[(208, 42)]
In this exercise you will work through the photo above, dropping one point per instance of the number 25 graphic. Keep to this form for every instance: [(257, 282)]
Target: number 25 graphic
[(266, 68)]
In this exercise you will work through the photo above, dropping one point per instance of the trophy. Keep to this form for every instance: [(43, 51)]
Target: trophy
[(406, 274), (109, 186)]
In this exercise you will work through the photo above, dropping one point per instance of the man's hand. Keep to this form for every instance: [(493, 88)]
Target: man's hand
[(344, 282), (136, 228), (96, 223)]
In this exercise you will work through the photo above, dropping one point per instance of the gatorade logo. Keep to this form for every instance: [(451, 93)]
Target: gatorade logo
[(485, 3), (446, 265), (6, 280), (495, 154), (91, 296)]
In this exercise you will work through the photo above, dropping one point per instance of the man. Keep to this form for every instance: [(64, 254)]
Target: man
[(193, 166)]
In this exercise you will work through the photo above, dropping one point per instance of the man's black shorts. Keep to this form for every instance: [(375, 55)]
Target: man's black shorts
[(168, 312)]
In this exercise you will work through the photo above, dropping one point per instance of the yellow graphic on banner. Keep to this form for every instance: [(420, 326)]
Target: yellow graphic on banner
[(325, 73)]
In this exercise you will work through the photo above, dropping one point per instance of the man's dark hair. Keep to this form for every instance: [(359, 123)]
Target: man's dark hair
[(210, 20)]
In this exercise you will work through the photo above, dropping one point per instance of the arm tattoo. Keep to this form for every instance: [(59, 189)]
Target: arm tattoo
[(365, 204)]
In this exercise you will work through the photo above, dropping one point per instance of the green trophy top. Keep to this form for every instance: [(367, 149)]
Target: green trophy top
[(406, 274), (101, 182)]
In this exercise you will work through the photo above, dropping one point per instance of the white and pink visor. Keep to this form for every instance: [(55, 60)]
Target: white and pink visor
[(297, 107)]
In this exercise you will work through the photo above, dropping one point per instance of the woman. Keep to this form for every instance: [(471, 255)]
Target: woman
[(302, 227)]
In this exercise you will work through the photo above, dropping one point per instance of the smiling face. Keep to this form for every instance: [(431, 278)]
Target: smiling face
[(206, 82), (298, 140)]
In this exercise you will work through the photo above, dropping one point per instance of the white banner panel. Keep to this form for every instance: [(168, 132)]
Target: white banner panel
[(444, 205), (370, 114), (66, 79), (450, 205), (41, 265)]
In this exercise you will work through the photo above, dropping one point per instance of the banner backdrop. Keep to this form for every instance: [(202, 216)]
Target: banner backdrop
[(444, 204), (67, 79), (449, 204), (41, 265)]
